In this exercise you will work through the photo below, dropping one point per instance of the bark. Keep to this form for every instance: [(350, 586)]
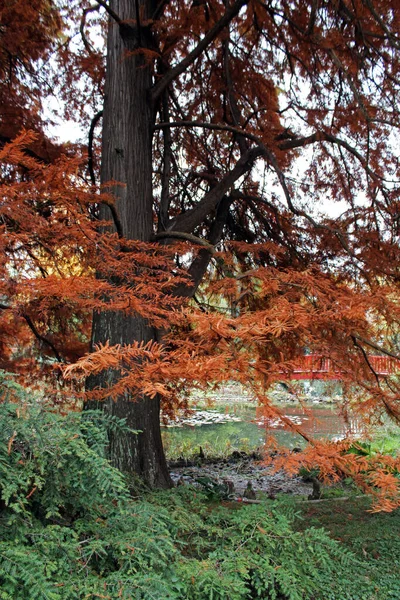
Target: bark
[(127, 159)]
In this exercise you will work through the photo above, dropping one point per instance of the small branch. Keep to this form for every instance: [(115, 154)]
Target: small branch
[(323, 136), (339, 498), (86, 43), (313, 16), (235, 112), (376, 347), (41, 338), (383, 25), (365, 355), (392, 412), (212, 126)]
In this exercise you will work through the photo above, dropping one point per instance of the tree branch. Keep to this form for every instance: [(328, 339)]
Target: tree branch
[(111, 206), (322, 136), (41, 338), (159, 8), (110, 11), (313, 17), (287, 144), (383, 25), (213, 126), (233, 105), (174, 72), (376, 346), (180, 235), (365, 355), (189, 220), (93, 124), (86, 43), (116, 219), (166, 173), (200, 263)]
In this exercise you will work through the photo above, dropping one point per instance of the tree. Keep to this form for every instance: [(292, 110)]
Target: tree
[(227, 126)]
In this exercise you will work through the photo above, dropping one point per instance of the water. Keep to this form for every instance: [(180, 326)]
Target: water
[(252, 431)]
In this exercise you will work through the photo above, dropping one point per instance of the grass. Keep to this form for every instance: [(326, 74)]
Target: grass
[(176, 448), (386, 442)]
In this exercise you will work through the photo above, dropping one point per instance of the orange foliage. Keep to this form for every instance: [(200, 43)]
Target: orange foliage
[(278, 81)]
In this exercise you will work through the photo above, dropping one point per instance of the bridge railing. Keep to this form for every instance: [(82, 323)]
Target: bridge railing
[(318, 365)]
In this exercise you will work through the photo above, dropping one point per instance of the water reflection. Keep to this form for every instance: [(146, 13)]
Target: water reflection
[(253, 429), (317, 422)]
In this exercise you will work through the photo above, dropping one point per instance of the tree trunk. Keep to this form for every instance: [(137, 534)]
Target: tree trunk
[(127, 159)]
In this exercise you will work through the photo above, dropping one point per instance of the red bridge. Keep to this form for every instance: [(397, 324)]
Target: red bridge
[(315, 366)]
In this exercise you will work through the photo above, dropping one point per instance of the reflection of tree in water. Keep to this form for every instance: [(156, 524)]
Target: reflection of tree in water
[(319, 422)]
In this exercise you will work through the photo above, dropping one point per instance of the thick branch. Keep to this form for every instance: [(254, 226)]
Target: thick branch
[(174, 72), (159, 9), (116, 219), (111, 206), (189, 220), (199, 266)]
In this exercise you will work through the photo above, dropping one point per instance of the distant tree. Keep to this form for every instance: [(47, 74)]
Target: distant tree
[(252, 144)]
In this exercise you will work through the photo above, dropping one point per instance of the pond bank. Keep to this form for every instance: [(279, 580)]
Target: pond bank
[(234, 474)]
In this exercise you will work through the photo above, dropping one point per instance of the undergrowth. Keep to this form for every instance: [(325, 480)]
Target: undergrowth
[(372, 537), (70, 530)]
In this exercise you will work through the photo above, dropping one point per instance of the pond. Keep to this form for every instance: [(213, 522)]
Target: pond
[(246, 430)]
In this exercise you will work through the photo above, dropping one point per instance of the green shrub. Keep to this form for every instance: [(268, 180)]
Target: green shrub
[(69, 529)]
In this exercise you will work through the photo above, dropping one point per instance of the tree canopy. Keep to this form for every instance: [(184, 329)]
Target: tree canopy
[(241, 209)]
